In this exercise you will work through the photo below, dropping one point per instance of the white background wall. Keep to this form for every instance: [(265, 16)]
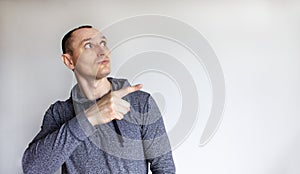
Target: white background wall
[(257, 43)]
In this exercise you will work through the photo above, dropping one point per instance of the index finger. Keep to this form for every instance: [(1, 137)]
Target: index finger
[(125, 91)]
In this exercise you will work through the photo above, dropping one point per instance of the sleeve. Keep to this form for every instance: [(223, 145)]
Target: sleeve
[(156, 144), (54, 144)]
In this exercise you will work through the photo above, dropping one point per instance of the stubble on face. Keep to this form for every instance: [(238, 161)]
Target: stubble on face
[(90, 63)]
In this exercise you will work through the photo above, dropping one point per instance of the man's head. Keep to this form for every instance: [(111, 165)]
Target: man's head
[(67, 39), (86, 53)]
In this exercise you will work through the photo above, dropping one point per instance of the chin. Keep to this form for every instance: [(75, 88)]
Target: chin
[(101, 75)]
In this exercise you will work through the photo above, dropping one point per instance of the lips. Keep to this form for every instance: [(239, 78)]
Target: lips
[(103, 61)]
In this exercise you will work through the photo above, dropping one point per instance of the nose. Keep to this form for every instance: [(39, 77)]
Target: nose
[(102, 51)]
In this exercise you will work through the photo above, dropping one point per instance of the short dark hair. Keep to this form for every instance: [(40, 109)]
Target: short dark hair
[(65, 43)]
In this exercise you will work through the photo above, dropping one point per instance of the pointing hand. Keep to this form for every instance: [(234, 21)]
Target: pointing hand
[(111, 106)]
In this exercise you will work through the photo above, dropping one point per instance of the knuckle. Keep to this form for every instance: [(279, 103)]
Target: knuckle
[(111, 112), (110, 105)]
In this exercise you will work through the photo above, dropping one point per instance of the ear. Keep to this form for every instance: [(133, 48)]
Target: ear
[(67, 59)]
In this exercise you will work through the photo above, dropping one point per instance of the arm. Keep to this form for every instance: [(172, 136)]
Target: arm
[(58, 139), (155, 140), (54, 143)]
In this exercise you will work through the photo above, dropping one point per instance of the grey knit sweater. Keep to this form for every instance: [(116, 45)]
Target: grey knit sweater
[(130, 145)]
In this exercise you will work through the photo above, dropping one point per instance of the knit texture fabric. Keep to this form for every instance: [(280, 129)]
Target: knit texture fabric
[(68, 139)]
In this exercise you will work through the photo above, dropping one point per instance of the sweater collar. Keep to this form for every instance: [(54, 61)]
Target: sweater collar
[(79, 98)]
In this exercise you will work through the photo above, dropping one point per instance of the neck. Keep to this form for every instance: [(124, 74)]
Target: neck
[(93, 89)]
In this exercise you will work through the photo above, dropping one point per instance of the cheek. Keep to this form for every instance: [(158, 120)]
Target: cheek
[(86, 57)]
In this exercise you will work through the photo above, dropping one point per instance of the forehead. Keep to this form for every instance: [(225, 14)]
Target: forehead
[(84, 33)]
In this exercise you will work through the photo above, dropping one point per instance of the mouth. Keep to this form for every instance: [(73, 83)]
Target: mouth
[(103, 61)]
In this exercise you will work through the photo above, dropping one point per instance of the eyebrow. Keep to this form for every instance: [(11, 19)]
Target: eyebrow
[(87, 39)]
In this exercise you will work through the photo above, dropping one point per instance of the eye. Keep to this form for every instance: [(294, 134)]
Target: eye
[(103, 43), (88, 45)]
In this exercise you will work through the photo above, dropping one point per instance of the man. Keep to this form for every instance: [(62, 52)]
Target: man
[(106, 126)]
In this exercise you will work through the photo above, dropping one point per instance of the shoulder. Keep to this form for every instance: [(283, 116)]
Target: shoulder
[(61, 111), (139, 100), (140, 96), (59, 105)]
